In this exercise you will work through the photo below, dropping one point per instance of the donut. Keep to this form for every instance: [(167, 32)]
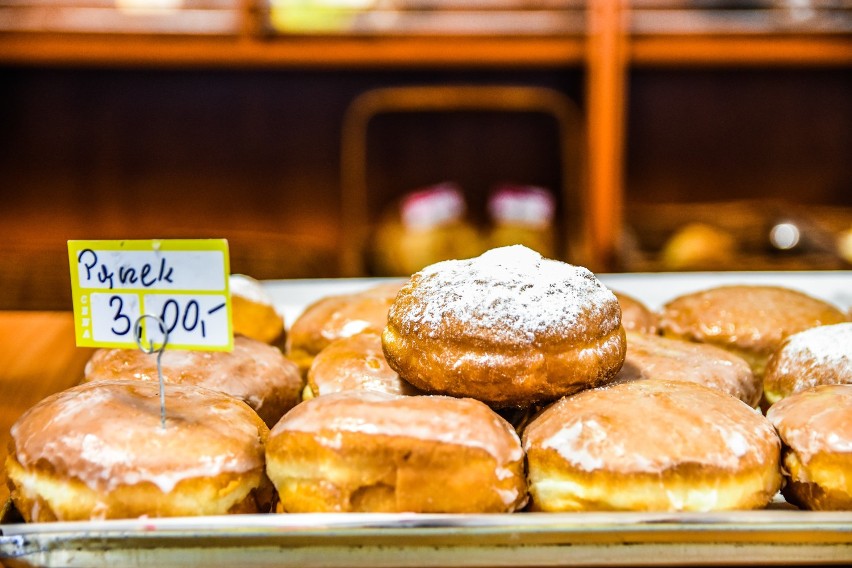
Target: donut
[(98, 451), (815, 426), (651, 445), (635, 315), (749, 321), (338, 316), (817, 356), (370, 451), (254, 372), (352, 363), (655, 357), (253, 313), (509, 328)]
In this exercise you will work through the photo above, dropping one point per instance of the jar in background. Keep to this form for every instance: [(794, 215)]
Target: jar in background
[(424, 227), (523, 215)]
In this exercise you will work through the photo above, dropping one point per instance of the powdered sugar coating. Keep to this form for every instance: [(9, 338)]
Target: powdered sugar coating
[(817, 356), (826, 345), (250, 289), (508, 295)]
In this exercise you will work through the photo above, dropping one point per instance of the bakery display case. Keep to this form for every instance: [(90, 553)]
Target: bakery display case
[(668, 145)]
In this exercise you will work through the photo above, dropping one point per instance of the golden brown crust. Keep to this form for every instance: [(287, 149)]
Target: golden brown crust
[(68, 499), (335, 317), (375, 452), (635, 315), (254, 372), (696, 449), (655, 357), (750, 321), (815, 426), (817, 356), (355, 363), (508, 328), (253, 313), (98, 451), (832, 491)]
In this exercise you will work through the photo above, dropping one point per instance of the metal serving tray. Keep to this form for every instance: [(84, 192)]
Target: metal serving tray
[(778, 535), (374, 540)]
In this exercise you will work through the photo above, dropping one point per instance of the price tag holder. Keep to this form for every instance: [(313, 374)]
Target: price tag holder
[(184, 282)]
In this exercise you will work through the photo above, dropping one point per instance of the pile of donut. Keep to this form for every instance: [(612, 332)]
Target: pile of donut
[(506, 382)]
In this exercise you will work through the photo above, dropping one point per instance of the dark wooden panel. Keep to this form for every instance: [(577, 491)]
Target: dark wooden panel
[(252, 156), (717, 134)]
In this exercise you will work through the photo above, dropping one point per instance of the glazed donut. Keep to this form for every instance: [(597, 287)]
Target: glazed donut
[(635, 315), (815, 426), (651, 445), (749, 321), (98, 451), (655, 357), (369, 451), (253, 313), (254, 372), (354, 363), (817, 356), (509, 328), (334, 317)]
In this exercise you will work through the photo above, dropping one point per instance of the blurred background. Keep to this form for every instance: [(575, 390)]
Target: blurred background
[(328, 138)]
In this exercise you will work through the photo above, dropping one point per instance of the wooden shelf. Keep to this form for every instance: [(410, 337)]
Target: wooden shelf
[(741, 50), (293, 52), (411, 52)]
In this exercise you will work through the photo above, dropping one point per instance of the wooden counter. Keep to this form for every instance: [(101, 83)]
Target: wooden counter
[(38, 356)]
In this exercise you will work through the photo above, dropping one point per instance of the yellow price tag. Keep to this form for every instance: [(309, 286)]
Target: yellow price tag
[(184, 282)]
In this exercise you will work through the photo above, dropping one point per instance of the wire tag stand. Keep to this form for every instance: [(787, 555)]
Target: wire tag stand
[(137, 334)]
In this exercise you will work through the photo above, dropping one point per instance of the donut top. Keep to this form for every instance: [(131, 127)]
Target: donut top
[(653, 425), (108, 433), (828, 346), (507, 295), (754, 318), (448, 420), (254, 372), (816, 420), (636, 316), (355, 363), (249, 288), (344, 315), (656, 357)]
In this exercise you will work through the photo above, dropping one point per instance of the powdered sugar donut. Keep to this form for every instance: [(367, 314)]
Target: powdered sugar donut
[(509, 328), (817, 356)]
